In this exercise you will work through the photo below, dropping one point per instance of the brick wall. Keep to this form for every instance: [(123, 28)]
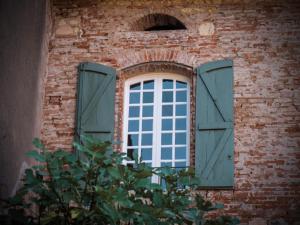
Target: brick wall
[(262, 38)]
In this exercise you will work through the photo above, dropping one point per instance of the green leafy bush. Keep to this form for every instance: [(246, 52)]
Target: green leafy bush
[(96, 188)]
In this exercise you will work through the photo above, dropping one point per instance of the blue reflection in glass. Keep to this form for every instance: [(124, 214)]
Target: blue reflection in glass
[(148, 84), (167, 96), (167, 124), (166, 139), (180, 96), (180, 165), (136, 86), (180, 138), (133, 125), (180, 124), (132, 139), (146, 139), (166, 153), (147, 125), (146, 153), (167, 84), (180, 84), (167, 110), (181, 110), (134, 111), (148, 97), (147, 111), (165, 164), (180, 153), (134, 98)]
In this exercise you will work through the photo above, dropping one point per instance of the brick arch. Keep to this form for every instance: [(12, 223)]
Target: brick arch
[(148, 22), (138, 21), (132, 57)]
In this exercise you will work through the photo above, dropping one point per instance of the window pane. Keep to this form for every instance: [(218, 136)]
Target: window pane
[(180, 164), (180, 138), (180, 84), (147, 111), (134, 98), (164, 164), (166, 153), (134, 111), (181, 110), (167, 96), (180, 96), (147, 97), (146, 139), (132, 139), (167, 124), (167, 110), (167, 84), (147, 125), (131, 152), (148, 84), (180, 153), (146, 154), (166, 139), (136, 86), (180, 124), (133, 125)]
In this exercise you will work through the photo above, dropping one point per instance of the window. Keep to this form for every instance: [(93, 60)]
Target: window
[(156, 119)]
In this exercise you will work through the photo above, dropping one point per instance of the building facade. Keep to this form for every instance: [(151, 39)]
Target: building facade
[(174, 38)]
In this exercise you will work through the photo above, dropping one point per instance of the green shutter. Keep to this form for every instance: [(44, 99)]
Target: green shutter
[(214, 159), (96, 101)]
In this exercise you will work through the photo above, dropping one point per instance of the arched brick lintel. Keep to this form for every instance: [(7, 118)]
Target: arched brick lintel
[(156, 66)]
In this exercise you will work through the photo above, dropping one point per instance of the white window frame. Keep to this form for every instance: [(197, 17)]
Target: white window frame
[(157, 107)]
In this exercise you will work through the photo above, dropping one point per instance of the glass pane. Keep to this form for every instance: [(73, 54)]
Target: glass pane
[(167, 84), (180, 124), (146, 154), (133, 125), (166, 139), (147, 125), (180, 164), (164, 164), (134, 111), (167, 124), (180, 153), (146, 139), (180, 96), (148, 84), (180, 138), (132, 139), (167, 110), (180, 84), (134, 98), (136, 86), (166, 153), (181, 110), (147, 111), (167, 96), (131, 152), (147, 97)]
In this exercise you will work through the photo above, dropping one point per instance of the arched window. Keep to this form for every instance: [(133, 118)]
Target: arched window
[(156, 119)]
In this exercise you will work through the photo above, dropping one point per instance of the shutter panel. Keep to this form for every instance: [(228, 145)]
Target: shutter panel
[(96, 101), (214, 159)]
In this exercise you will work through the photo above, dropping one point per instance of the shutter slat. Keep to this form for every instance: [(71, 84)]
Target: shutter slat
[(214, 125)]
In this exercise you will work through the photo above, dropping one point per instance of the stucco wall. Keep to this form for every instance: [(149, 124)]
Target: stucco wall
[(23, 53), (262, 38)]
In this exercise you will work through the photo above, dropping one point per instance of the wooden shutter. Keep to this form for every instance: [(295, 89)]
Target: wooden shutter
[(214, 159), (96, 101)]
